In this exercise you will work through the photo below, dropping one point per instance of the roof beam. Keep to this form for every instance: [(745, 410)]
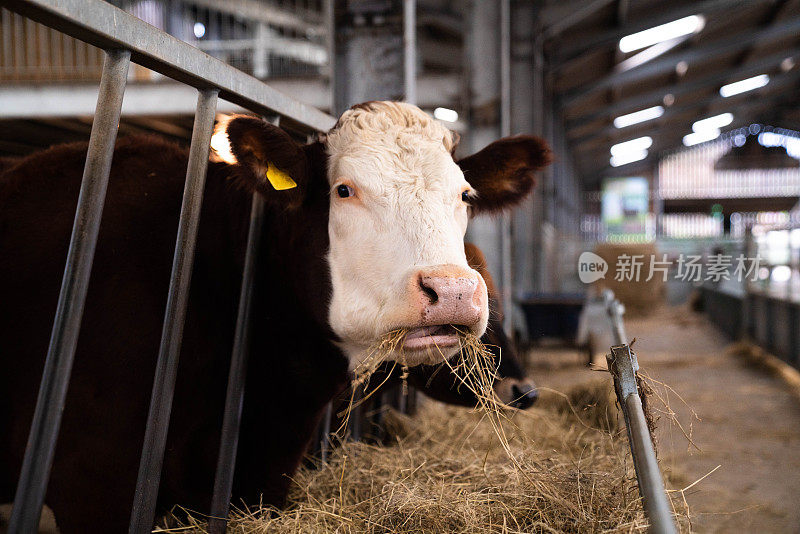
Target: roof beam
[(611, 134), (558, 17), (782, 12), (568, 51), (667, 62), (252, 10), (671, 140), (652, 98)]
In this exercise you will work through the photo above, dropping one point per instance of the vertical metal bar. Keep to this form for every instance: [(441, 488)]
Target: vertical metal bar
[(234, 398), (410, 50), (19, 43), (357, 416), (144, 504), (5, 17), (505, 130), (38, 460), (330, 45), (325, 433)]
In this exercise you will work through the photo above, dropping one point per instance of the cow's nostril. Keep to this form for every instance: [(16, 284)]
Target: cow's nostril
[(525, 396), (429, 291)]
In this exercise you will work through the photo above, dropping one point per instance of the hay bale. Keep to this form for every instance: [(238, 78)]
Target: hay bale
[(640, 297), (448, 472)]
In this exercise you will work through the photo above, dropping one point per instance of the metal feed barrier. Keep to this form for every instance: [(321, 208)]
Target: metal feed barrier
[(125, 39), (623, 365)]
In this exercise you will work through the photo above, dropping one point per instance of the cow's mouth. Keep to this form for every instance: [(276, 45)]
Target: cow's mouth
[(424, 338)]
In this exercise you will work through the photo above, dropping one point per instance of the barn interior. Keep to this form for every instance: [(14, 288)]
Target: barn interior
[(675, 184)]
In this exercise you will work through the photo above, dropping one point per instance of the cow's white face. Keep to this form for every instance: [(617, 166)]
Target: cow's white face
[(396, 217), (397, 221)]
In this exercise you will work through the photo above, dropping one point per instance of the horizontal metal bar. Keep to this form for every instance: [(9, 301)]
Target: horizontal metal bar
[(234, 398), (38, 459), (623, 366), (144, 504), (103, 25)]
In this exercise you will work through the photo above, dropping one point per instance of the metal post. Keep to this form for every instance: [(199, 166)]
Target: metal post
[(325, 433), (368, 61), (261, 51), (505, 130), (357, 415), (39, 452), (623, 366), (144, 504), (229, 440), (615, 311), (410, 50)]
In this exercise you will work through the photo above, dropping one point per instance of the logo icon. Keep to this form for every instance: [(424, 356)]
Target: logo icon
[(591, 267)]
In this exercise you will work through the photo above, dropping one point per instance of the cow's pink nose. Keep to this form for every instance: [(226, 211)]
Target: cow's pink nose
[(451, 295)]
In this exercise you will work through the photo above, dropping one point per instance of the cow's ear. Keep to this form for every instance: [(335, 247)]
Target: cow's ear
[(502, 174), (268, 160)]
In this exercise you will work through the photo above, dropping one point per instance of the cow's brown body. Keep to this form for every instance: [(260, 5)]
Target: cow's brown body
[(295, 365), (97, 457)]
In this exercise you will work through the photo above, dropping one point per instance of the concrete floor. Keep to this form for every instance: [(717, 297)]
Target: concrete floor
[(741, 418)]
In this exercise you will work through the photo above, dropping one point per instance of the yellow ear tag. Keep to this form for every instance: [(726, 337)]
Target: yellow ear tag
[(279, 179)]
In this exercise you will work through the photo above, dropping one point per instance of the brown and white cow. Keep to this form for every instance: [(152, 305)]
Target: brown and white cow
[(368, 240)]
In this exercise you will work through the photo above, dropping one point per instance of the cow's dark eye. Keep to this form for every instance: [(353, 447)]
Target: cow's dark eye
[(465, 196), (344, 191)]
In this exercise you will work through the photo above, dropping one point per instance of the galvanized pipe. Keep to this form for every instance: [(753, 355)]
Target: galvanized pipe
[(144, 504), (505, 130), (410, 50), (38, 459), (234, 398), (325, 432), (615, 311), (623, 366)]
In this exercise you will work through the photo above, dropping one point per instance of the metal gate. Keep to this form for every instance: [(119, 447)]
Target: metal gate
[(126, 39)]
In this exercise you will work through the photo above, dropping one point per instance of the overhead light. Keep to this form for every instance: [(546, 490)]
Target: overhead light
[(681, 68), (634, 145), (199, 29), (791, 144), (639, 116), (713, 123), (628, 157), (444, 114), (787, 64), (700, 137), (781, 273), (744, 85), (664, 32)]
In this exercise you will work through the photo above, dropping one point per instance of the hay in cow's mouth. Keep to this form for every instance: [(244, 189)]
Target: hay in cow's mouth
[(427, 337), (475, 369)]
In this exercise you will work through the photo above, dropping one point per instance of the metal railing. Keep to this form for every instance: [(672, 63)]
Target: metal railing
[(127, 39), (623, 365)]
